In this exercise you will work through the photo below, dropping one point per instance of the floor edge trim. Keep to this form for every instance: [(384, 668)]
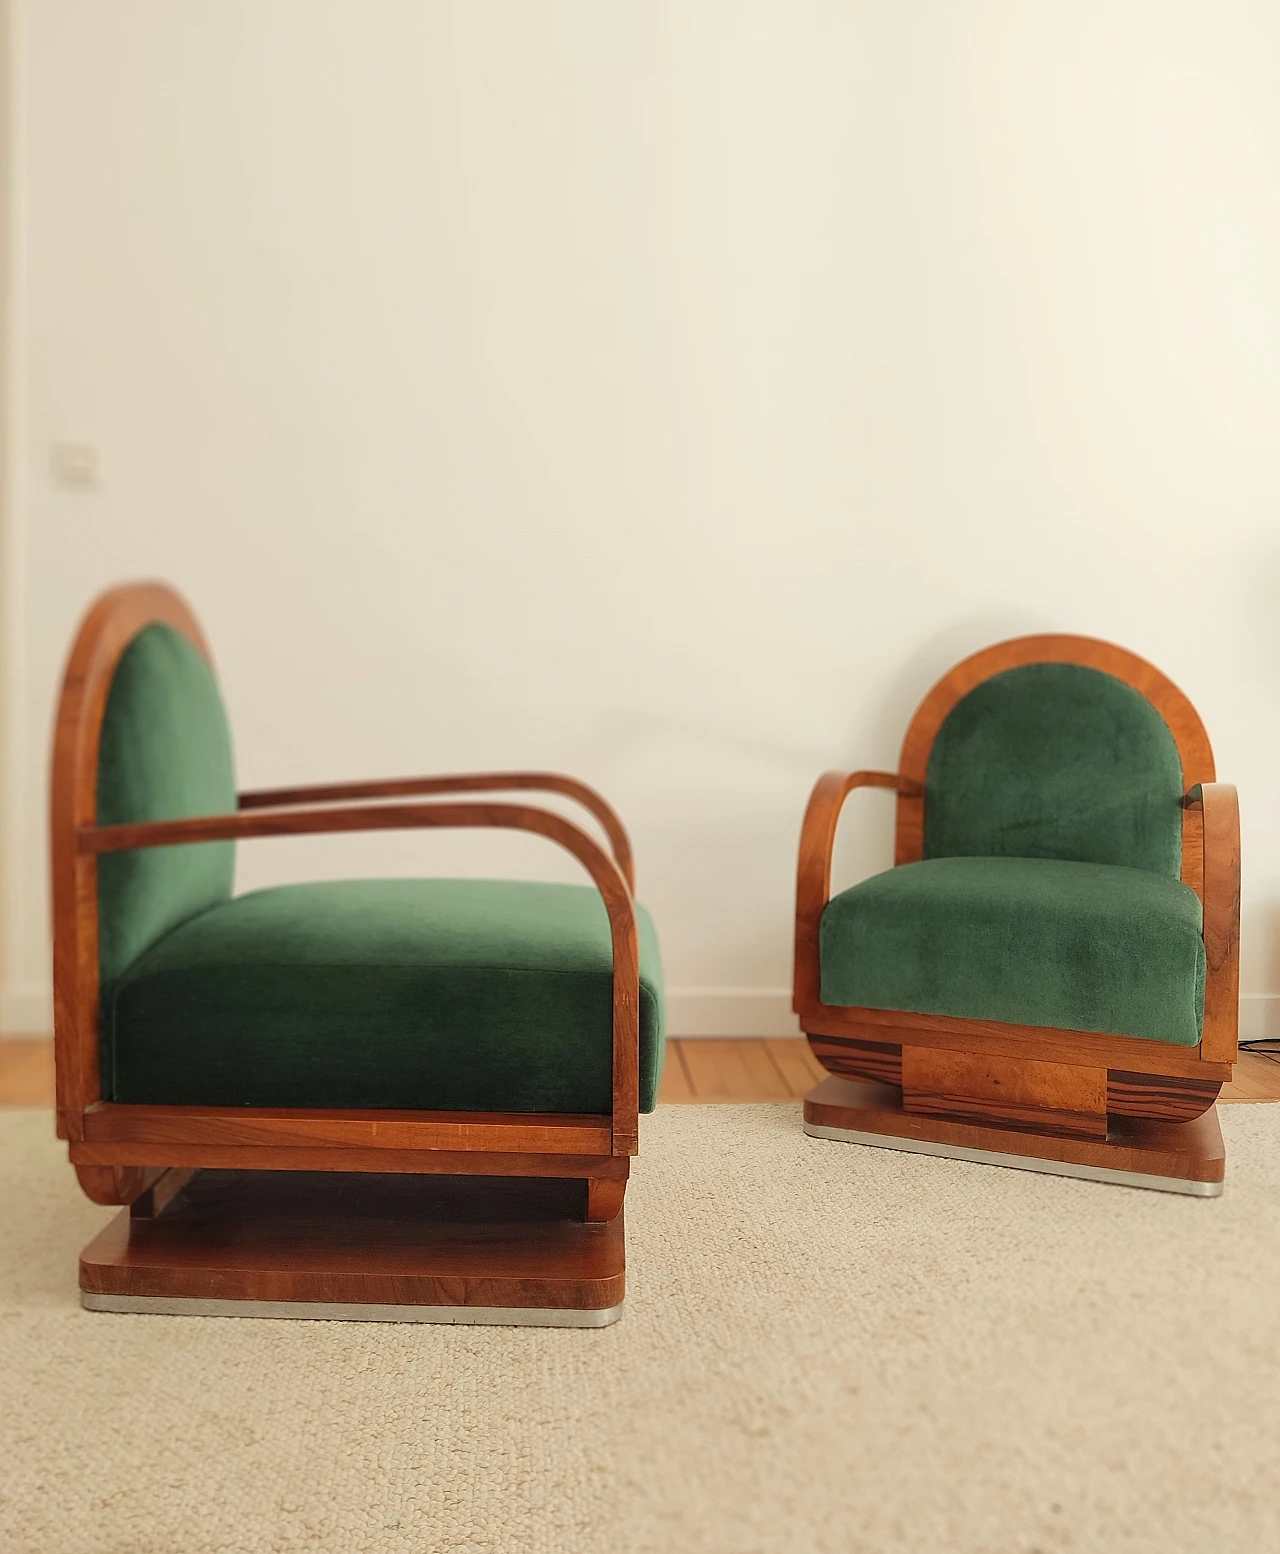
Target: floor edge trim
[(1088, 1173), (337, 1311)]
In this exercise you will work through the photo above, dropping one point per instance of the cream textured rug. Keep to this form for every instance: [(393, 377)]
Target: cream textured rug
[(826, 1348)]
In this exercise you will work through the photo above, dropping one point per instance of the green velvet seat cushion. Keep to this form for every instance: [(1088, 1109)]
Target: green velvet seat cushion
[(1056, 761), (1030, 941), (165, 753), (452, 995)]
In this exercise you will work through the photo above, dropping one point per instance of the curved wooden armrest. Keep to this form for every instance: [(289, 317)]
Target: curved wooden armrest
[(398, 817), (1221, 807), (463, 782), (813, 875)]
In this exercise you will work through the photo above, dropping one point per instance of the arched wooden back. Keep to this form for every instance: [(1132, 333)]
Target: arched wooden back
[(111, 624), (1173, 706)]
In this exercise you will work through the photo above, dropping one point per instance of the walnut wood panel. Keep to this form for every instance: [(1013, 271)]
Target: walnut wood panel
[(327, 1157), (381, 1240), (470, 782), (517, 1132), (878, 1062), (1182, 718), (1220, 808), (1159, 1095), (1189, 1151), (1062, 1100), (1040, 1043)]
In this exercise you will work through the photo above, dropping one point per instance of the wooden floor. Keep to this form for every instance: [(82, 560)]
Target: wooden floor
[(26, 1071), (710, 1069), (729, 1069)]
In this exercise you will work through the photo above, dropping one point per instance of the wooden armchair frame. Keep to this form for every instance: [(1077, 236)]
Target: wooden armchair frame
[(971, 1077), (121, 1151)]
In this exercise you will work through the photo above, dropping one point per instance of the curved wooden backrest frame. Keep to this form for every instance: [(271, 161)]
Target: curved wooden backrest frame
[(1091, 653), (107, 630)]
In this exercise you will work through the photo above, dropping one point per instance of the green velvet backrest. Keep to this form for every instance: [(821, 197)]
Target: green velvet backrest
[(165, 753), (1056, 761)]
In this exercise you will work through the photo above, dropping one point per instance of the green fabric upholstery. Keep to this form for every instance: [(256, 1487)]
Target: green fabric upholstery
[(1056, 761), (467, 995), (165, 753), (1031, 941)]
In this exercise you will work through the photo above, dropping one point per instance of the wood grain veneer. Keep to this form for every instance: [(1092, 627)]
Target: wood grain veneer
[(1188, 1151), (374, 1240), (302, 1127), (1061, 1100), (1043, 1043), (1220, 811)]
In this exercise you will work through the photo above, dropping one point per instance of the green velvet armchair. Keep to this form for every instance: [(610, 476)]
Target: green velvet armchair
[(1049, 975), (475, 1051)]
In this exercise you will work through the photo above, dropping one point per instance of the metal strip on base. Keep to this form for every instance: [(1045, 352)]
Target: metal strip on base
[(332, 1311), (1086, 1173)]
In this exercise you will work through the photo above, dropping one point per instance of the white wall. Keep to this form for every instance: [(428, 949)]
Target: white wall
[(666, 392)]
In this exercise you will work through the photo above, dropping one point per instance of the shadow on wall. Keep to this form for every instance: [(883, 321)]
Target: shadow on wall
[(882, 727)]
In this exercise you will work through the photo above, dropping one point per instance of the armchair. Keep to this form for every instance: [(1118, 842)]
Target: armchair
[(1048, 977), (387, 1099)]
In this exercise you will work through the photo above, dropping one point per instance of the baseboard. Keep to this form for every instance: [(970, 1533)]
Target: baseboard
[(1259, 1016), (730, 1011), (26, 1010)]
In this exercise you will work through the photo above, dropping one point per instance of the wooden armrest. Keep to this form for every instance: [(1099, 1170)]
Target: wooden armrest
[(1221, 806), (396, 817), (464, 782), (813, 875)]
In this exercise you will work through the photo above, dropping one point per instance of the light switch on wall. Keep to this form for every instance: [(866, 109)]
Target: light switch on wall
[(75, 466)]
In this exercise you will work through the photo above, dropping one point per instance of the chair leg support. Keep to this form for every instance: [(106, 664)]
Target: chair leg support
[(604, 1198), (117, 1184), (1185, 1157), (364, 1247), (161, 1193)]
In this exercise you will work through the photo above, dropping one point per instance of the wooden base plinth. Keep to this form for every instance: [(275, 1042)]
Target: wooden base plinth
[(1185, 1157), (364, 1246)]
